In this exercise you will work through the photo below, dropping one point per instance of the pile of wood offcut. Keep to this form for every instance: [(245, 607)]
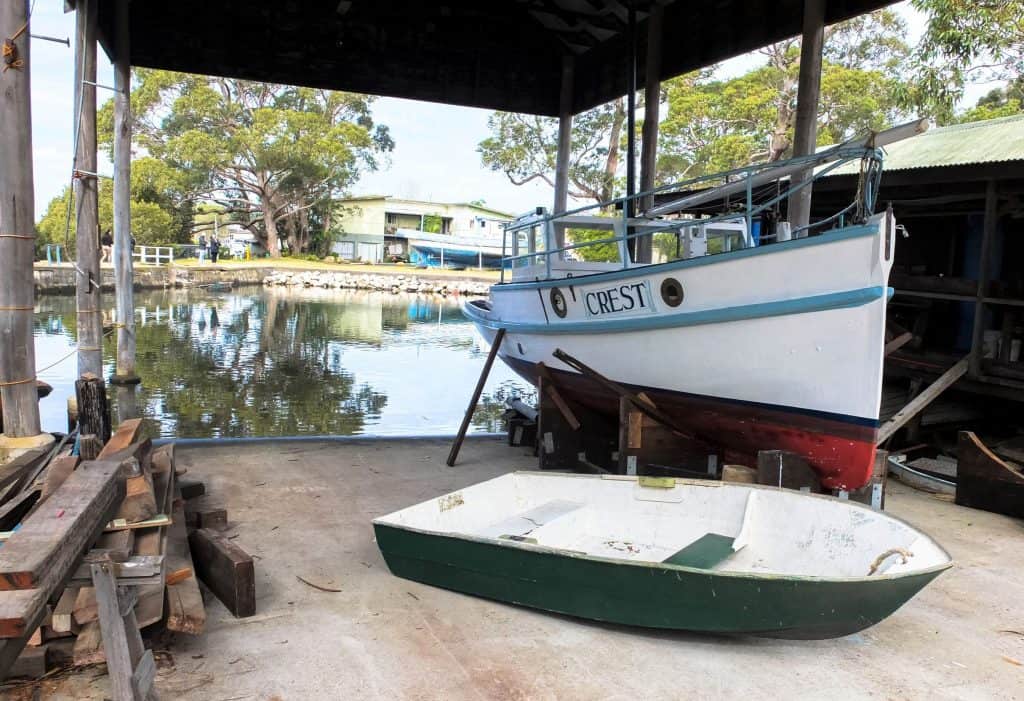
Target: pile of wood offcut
[(69, 525)]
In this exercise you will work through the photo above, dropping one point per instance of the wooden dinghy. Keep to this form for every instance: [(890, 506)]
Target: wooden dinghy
[(666, 553)]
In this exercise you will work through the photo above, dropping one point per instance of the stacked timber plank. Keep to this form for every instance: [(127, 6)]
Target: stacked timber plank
[(127, 503)]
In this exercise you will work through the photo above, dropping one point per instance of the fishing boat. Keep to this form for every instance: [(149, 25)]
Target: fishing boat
[(751, 333), (669, 553), (444, 250)]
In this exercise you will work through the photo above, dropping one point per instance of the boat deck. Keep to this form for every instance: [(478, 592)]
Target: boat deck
[(304, 509)]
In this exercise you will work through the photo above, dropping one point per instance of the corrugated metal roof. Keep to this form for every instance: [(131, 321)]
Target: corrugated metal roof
[(989, 141)]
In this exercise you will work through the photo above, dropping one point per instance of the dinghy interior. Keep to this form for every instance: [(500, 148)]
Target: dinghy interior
[(726, 528)]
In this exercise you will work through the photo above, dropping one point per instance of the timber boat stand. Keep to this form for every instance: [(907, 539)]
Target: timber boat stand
[(570, 437), (130, 665)]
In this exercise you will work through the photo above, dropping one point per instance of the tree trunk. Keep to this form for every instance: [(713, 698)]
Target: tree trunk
[(611, 164), (273, 244)]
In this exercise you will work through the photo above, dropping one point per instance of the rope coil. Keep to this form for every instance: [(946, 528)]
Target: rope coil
[(17, 309), (9, 383), (27, 237), (10, 51)]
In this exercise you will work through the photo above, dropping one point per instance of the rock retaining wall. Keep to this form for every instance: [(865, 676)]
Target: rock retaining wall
[(365, 281)]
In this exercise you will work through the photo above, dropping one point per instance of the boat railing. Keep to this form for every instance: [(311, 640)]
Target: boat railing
[(761, 189)]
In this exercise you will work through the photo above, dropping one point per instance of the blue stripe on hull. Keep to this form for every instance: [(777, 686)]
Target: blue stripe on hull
[(760, 310)]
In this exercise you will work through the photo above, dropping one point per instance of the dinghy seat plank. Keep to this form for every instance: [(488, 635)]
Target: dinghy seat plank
[(528, 521), (704, 553)]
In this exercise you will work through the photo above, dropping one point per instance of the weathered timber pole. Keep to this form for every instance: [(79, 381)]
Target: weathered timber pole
[(87, 280), (17, 227), (123, 277), (805, 130), (631, 117), (564, 146), (649, 138), (988, 233), (464, 427)]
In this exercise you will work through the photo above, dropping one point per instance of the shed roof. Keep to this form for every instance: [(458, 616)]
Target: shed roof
[(495, 54), (989, 141)]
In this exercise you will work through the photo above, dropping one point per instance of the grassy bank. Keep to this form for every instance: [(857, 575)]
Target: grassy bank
[(354, 268)]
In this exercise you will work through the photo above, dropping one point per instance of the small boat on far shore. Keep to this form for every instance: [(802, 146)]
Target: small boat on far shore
[(448, 251), (666, 553)]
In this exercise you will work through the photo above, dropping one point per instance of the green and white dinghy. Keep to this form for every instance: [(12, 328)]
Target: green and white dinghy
[(666, 553)]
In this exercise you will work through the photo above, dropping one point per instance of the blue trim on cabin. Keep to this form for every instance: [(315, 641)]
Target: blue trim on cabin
[(760, 310), (850, 232)]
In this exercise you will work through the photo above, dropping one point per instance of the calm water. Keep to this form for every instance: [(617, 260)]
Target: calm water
[(265, 362)]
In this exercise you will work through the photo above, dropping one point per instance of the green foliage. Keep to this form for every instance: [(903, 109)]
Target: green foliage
[(152, 225), (524, 148), (432, 223), (999, 102), (717, 124), (965, 40), (272, 157)]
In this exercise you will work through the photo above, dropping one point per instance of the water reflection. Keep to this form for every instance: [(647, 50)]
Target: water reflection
[(267, 362)]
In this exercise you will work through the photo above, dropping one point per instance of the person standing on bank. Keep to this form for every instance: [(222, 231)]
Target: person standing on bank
[(201, 248), (214, 249), (107, 243)]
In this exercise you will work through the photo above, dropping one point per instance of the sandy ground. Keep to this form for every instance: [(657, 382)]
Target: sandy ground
[(305, 510)]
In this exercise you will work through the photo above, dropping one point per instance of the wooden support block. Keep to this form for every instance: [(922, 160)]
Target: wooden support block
[(89, 646), (739, 474), (43, 552), (984, 481), (226, 569), (12, 513), (190, 489), (62, 619), (30, 664), (89, 446), (782, 468), (549, 387), (85, 609), (163, 458), (36, 639), (58, 471), (139, 501), (648, 447), (119, 544), (21, 466), (128, 433), (185, 610), (204, 513), (21, 612)]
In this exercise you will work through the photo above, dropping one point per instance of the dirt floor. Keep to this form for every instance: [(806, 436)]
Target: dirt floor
[(305, 510)]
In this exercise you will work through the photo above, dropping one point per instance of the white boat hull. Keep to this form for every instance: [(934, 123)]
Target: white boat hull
[(779, 347)]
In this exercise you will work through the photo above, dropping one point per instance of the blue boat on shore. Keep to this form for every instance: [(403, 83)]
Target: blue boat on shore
[(447, 251)]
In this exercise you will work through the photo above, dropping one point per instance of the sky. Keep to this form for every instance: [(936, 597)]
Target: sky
[(435, 157)]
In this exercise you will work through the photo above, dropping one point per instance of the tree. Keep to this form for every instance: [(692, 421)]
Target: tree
[(998, 102), (152, 225), (271, 156), (718, 124), (964, 41), (524, 147)]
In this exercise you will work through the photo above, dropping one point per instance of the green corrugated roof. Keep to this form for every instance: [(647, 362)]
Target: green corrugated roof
[(989, 141)]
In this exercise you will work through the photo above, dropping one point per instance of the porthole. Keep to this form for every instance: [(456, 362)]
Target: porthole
[(672, 292), (558, 303)]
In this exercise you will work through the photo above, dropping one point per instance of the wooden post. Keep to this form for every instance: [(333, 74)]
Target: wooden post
[(87, 295), (564, 146), (988, 233), (123, 278), (93, 410), (631, 119), (649, 139), (18, 395), (805, 130), (498, 338)]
